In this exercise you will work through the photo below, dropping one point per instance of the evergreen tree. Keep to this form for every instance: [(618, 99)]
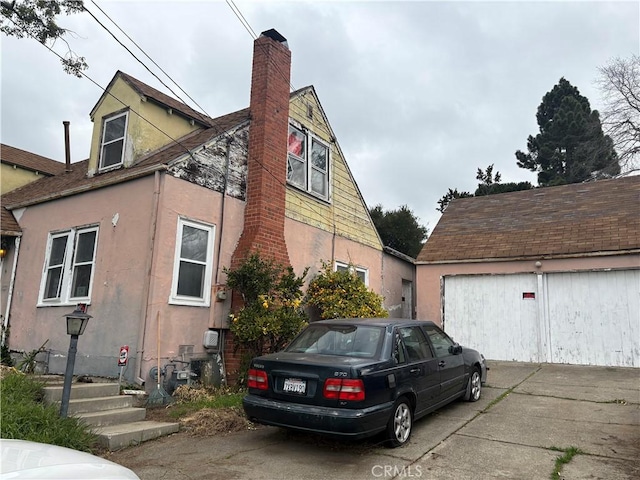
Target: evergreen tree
[(571, 146), (399, 229)]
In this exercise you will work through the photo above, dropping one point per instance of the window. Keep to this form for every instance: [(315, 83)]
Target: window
[(69, 266), (361, 272), (441, 342), (310, 176), (415, 343), (193, 264), (113, 141)]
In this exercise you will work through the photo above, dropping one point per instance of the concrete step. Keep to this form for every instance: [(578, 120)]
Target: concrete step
[(114, 417), (53, 393), (115, 437), (99, 404)]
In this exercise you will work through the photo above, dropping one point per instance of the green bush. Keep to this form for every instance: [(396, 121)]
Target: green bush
[(25, 417), (272, 313), (342, 294)]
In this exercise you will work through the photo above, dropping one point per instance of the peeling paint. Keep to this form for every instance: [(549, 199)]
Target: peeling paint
[(206, 167)]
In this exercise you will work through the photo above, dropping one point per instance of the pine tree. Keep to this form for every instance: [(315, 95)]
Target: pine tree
[(571, 146)]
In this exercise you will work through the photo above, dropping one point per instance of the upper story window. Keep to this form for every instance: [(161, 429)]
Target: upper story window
[(113, 141), (69, 265), (193, 264), (308, 163), (361, 272)]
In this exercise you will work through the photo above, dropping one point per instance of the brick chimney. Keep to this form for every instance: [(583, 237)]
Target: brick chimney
[(267, 162)]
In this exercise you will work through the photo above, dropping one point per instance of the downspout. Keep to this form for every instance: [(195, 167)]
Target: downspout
[(147, 285), (212, 316), (5, 320)]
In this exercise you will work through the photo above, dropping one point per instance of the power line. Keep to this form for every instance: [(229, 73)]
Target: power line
[(215, 129), (146, 55), (242, 19), (134, 56)]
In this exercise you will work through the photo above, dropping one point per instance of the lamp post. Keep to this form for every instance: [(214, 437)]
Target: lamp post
[(76, 323)]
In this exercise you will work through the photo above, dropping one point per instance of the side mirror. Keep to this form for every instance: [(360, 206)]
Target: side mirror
[(455, 349)]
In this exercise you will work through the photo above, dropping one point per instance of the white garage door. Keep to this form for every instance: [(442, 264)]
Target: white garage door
[(588, 318)]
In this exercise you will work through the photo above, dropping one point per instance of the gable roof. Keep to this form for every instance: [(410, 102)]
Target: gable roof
[(70, 183), (156, 96), (29, 161), (571, 220)]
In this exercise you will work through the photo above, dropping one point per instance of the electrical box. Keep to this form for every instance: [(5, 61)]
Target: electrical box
[(210, 339)]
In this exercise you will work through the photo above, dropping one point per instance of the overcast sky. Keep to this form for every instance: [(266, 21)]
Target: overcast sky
[(419, 94)]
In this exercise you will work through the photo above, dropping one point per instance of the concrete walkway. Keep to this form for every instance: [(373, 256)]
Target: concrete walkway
[(529, 416)]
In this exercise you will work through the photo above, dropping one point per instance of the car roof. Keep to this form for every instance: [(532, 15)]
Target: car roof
[(383, 322)]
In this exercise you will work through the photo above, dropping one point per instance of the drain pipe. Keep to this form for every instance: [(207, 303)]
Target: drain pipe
[(212, 317), (147, 285), (5, 320)]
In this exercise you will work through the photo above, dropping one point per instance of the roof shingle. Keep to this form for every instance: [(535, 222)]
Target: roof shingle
[(30, 161), (602, 216)]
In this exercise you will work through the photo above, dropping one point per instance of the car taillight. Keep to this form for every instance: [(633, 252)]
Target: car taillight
[(257, 379), (344, 389)]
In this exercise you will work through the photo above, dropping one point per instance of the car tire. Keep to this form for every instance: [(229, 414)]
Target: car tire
[(400, 423), (474, 386)]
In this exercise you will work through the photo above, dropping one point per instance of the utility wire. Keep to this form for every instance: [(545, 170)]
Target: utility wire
[(243, 20), (151, 59), (134, 56), (217, 132)]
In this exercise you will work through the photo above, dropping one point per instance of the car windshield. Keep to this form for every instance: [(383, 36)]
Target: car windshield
[(344, 340)]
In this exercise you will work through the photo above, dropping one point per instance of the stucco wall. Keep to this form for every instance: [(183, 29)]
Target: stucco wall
[(119, 276), (428, 277), (395, 271)]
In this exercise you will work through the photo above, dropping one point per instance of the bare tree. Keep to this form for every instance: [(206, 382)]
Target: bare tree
[(619, 82)]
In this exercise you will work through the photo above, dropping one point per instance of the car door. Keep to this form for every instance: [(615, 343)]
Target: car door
[(422, 367), (450, 365)]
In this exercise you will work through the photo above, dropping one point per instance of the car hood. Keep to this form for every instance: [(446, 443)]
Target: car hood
[(31, 460)]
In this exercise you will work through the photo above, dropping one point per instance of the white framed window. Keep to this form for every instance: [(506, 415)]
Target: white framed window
[(193, 264), (114, 131), (69, 266), (361, 272), (308, 163)]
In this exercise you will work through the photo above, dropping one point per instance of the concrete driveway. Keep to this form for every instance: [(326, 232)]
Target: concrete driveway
[(529, 416)]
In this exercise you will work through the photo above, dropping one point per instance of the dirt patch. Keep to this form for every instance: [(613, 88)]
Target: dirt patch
[(206, 422)]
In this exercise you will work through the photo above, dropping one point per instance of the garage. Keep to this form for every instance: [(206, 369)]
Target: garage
[(587, 317)]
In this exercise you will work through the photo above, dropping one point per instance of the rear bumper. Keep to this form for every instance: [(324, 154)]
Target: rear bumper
[(342, 422)]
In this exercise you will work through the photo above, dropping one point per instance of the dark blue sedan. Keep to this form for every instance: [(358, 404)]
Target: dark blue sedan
[(359, 377)]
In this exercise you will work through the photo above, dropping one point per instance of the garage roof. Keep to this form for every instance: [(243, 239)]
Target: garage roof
[(568, 220)]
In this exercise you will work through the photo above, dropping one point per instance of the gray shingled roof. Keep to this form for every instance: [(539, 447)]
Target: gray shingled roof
[(577, 219)]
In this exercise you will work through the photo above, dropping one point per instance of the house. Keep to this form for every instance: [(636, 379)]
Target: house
[(19, 167), (142, 230), (543, 275)]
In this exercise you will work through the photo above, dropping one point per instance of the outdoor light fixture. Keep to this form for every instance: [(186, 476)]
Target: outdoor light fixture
[(76, 323), (77, 320)]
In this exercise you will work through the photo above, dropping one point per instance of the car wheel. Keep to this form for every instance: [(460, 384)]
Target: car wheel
[(474, 387), (400, 423)]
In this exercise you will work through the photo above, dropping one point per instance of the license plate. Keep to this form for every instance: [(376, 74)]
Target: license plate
[(295, 385)]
